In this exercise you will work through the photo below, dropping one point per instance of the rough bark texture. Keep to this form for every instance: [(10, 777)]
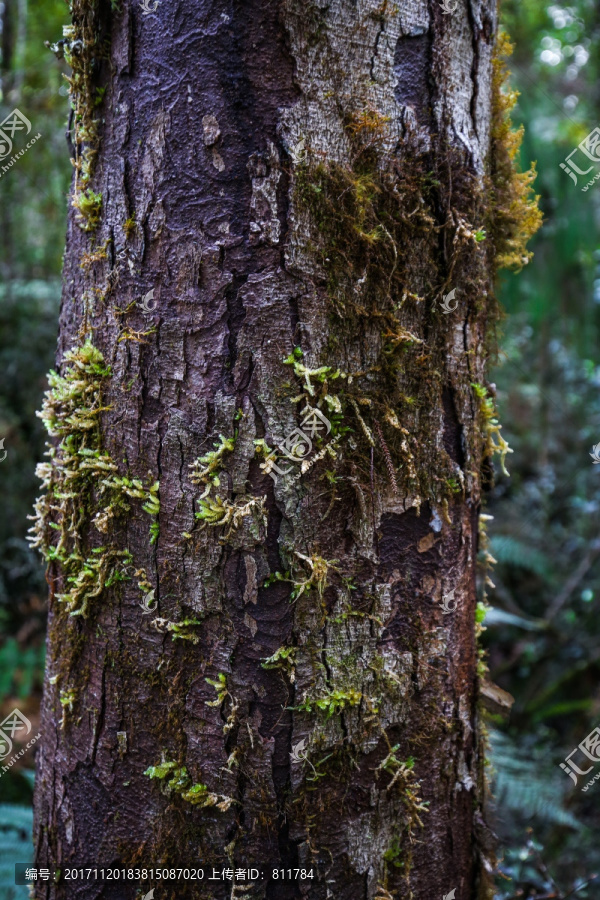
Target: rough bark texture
[(283, 175)]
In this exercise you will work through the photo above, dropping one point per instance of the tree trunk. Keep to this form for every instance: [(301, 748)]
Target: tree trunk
[(278, 668)]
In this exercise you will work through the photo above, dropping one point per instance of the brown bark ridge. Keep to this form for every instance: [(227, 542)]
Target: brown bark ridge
[(259, 672)]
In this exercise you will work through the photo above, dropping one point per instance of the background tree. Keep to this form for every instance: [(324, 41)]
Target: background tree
[(302, 192)]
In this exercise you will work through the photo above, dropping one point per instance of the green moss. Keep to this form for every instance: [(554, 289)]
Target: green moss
[(491, 428), (214, 511), (135, 489), (371, 225), (220, 685), (312, 573), (130, 226), (396, 767), (394, 854), (223, 695), (92, 576), (206, 468), (83, 492), (481, 612), (67, 698), (453, 485), (163, 770), (375, 231), (332, 703), (220, 512), (129, 334), (89, 206), (514, 213), (399, 851), (184, 630), (284, 659), (175, 780), (359, 223), (84, 48), (349, 613), (95, 255)]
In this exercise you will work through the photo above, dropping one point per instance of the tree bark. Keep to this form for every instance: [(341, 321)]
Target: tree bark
[(299, 184)]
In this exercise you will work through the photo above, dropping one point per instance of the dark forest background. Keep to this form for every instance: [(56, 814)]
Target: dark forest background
[(542, 634)]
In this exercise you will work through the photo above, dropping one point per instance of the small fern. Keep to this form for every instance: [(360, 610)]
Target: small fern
[(523, 785), (512, 552)]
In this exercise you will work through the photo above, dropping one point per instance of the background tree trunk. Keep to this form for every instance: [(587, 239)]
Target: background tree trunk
[(282, 175)]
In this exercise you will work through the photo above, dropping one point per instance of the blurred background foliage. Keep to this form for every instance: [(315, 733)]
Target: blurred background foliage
[(543, 626), (33, 206)]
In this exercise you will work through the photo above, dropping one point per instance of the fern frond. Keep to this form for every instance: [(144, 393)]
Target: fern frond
[(522, 785), (512, 552)]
